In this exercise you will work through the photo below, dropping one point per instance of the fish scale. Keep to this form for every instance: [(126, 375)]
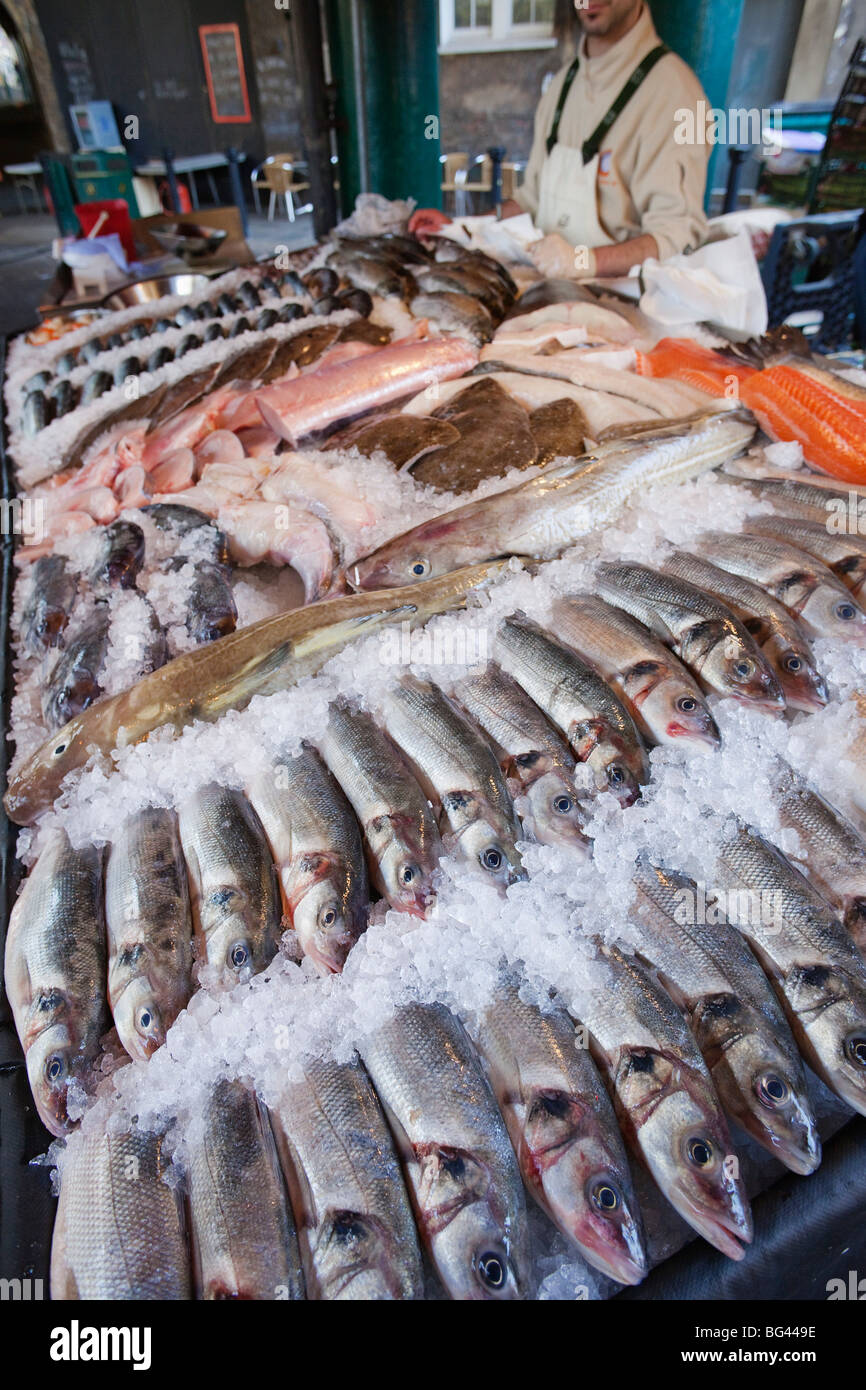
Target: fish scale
[(358, 1238), (118, 1233), (835, 851), (459, 1165)]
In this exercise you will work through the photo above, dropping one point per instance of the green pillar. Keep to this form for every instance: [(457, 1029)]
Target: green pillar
[(388, 135), (704, 34)]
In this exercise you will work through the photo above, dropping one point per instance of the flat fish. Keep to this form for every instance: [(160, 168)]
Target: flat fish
[(402, 438), (495, 436), (559, 430)]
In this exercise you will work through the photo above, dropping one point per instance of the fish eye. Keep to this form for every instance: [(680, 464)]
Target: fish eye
[(60, 749), (687, 703), (615, 774), (55, 1068), (604, 1196), (328, 917), (743, 669), (146, 1018), (793, 663), (420, 568), (700, 1152), (239, 955), (846, 611), (491, 1270), (491, 858), (772, 1090), (856, 1049), (409, 873), (563, 804)]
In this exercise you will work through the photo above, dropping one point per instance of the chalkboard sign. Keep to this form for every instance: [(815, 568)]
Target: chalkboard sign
[(224, 69)]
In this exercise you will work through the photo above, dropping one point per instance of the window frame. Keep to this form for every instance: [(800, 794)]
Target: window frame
[(501, 35)]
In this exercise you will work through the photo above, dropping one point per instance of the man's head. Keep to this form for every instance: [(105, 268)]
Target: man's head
[(608, 19)]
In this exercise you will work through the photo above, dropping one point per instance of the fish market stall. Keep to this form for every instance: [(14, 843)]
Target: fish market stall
[(438, 703)]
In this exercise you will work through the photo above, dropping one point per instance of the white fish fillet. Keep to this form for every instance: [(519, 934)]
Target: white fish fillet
[(598, 322), (673, 399)]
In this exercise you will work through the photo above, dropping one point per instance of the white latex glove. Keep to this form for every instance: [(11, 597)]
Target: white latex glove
[(558, 259)]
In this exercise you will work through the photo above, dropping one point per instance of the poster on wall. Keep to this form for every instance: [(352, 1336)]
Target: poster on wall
[(224, 70)]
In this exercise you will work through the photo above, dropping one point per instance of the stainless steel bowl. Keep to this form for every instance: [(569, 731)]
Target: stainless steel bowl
[(144, 291)]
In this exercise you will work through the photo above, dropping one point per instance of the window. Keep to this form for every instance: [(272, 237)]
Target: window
[(476, 26)]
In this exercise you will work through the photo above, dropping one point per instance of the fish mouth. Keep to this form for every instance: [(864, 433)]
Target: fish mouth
[(618, 1254), (700, 740), (722, 1229), (803, 1157)]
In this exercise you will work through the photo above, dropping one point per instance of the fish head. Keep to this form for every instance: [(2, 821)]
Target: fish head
[(475, 1234), (682, 713), (735, 666), (405, 854), (239, 948), (140, 1019), (555, 813), (832, 611), (617, 767), (53, 1062), (36, 783), (760, 1082), (485, 838), (830, 1007), (802, 683), (328, 916), (584, 1182), (681, 1132), (432, 549), (354, 1256)]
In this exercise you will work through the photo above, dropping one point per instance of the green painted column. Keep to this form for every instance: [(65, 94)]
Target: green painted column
[(704, 34), (386, 69)]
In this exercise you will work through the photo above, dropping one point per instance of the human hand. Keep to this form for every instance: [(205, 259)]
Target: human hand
[(427, 221), (558, 259)]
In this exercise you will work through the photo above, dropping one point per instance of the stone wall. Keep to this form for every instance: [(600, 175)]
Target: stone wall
[(490, 99)]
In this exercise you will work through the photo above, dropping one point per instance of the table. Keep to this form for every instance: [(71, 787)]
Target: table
[(25, 176), (191, 165)]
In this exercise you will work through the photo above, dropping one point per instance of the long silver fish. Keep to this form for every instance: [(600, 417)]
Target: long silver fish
[(399, 827), (564, 1131), (834, 852), (460, 774), (119, 1230), (545, 515), (233, 882), (767, 621), (662, 696), (806, 587), (708, 969), (460, 1168), (665, 1101), (809, 496), (599, 729), (243, 1233), (55, 975), (814, 966), (844, 554), (701, 629), (317, 847), (149, 928), (358, 1239), (535, 759)]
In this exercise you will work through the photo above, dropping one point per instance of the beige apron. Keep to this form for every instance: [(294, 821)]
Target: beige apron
[(568, 198)]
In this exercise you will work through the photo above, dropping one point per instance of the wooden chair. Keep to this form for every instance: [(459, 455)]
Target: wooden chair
[(452, 166), (261, 178), (282, 180), (510, 180)]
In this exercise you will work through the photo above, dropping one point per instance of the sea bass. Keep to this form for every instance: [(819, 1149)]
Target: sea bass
[(358, 1240), (806, 587), (243, 1233), (700, 628), (55, 976), (599, 729), (399, 828), (767, 620), (260, 659), (316, 845), (662, 696), (563, 1129), (537, 763), (843, 554), (664, 1098), (710, 972), (460, 775), (114, 1238), (460, 1168), (833, 851), (50, 594), (543, 516), (812, 962), (147, 918), (297, 408), (233, 882)]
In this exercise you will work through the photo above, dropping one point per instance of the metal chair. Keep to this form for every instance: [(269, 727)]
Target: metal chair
[(282, 180), (259, 175)]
